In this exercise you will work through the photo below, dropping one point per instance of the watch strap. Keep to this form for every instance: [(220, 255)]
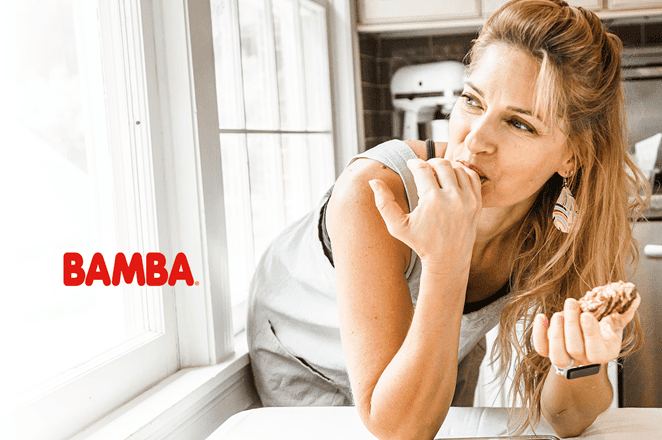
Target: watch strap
[(572, 372)]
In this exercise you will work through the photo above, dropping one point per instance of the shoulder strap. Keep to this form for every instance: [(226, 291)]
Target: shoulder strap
[(429, 145), (395, 154)]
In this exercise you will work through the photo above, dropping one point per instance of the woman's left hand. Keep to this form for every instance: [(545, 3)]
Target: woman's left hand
[(572, 334)]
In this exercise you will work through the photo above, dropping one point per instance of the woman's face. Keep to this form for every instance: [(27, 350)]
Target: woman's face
[(494, 131)]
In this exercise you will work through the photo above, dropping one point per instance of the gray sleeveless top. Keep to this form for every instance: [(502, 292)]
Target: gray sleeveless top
[(293, 291)]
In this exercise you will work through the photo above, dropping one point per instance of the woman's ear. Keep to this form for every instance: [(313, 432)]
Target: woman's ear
[(569, 165)]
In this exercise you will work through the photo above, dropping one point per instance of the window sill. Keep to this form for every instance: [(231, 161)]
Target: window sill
[(191, 403)]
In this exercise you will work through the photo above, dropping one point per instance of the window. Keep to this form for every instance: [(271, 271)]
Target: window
[(77, 174), (116, 137), (274, 107)]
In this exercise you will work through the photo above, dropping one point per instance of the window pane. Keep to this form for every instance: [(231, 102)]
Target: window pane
[(286, 83), (316, 65), (266, 179), (238, 216), (227, 60), (320, 152), (288, 56), (59, 196), (297, 176), (308, 172), (258, 64)]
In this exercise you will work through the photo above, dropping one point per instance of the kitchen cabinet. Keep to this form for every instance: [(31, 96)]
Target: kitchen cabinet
[(407, 18), (388, 11), (490, 6), (634, 4)]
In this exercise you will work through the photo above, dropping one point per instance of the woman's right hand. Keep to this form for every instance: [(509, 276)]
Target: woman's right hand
[(444, 222)]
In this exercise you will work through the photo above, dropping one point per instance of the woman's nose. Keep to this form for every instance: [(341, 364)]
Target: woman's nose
[(482, 136)]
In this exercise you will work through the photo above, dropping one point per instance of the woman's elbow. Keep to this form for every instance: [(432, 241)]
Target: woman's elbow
[(569, 432), (406, 426), (568, 428), (420, 431)]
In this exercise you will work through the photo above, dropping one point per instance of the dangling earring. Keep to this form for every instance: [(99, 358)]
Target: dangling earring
[(565, 211)]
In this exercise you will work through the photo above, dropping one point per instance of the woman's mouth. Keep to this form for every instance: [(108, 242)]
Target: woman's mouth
[(478, 171)]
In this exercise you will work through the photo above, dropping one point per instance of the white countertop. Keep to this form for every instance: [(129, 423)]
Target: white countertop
[(343, 423)]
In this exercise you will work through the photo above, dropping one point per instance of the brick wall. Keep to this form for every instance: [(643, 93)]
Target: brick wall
[(381, 57)]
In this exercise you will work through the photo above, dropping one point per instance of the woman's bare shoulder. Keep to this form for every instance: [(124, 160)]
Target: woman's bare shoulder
[(352, 216), (352, 186)]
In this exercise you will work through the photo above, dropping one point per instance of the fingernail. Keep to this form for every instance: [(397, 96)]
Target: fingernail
[(374, 185)]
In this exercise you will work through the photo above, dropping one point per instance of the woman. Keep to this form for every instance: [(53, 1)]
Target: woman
[(411, 259)]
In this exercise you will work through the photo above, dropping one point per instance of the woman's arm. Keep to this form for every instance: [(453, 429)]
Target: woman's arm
[(402, 362), (572, 405)]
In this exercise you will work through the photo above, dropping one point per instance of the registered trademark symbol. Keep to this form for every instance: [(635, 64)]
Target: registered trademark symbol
[(197, 283)]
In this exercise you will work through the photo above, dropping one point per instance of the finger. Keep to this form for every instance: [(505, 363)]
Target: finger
[(595, 345), (461, 175), (557, 352), (540, 341), (424, 176), (572, 330), (445, 173), (474, 178), (391, 212)]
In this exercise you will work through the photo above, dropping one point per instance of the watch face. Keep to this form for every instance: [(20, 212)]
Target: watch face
[(586, 370)]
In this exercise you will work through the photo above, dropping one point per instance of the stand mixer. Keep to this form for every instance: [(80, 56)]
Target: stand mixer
[(421, 89)]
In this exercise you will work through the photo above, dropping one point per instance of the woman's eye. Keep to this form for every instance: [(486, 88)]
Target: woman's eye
[(469, 100), (521, 125)]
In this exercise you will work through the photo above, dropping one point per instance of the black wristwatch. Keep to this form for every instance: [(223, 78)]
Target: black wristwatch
[(571, 372)]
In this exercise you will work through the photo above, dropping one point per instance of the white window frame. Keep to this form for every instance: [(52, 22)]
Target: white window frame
[(183, 121), (345, 91)]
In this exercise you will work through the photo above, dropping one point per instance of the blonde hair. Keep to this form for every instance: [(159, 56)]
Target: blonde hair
[(579, 89)]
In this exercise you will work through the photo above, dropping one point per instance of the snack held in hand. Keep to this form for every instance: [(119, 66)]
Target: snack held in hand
[(604, 300)]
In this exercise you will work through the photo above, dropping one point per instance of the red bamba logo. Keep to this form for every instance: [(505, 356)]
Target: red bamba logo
[(152, 273)]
